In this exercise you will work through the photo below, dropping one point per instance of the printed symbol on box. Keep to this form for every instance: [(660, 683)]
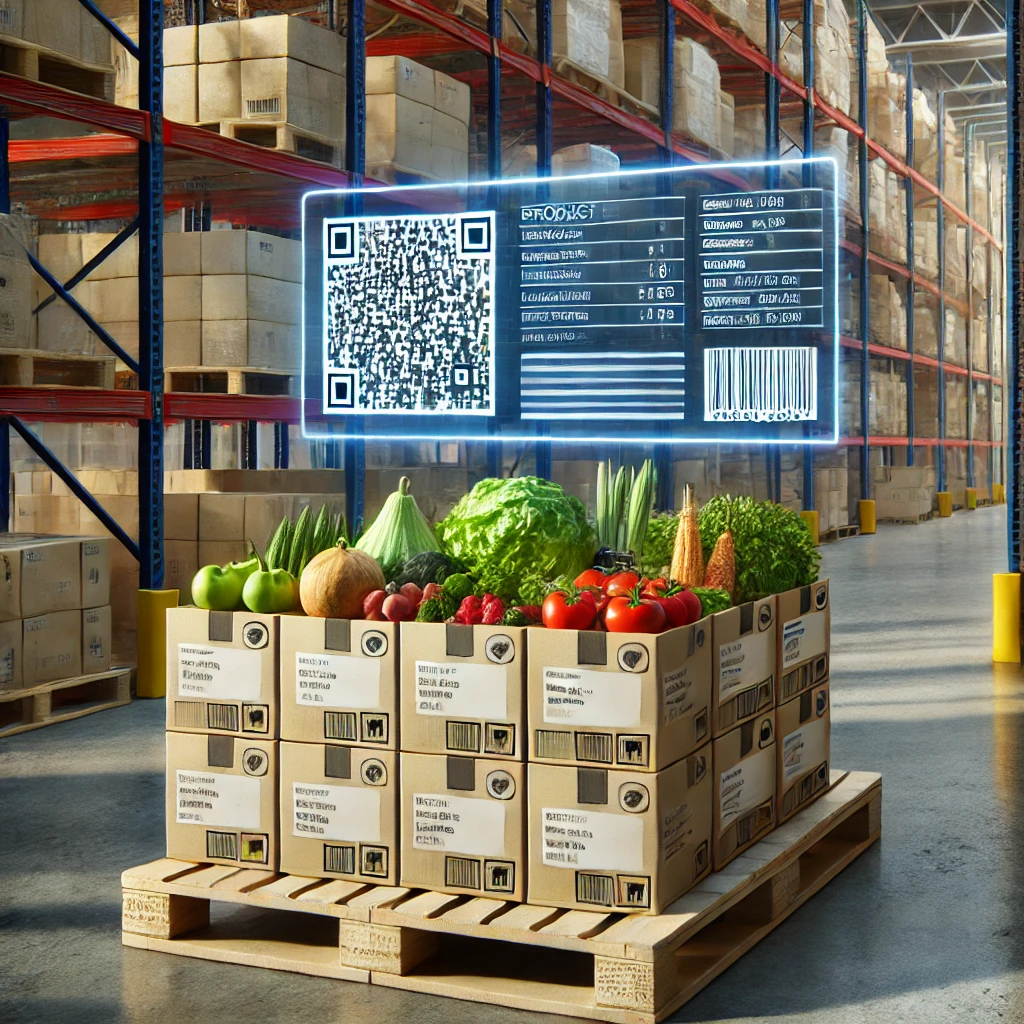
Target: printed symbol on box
[(821, 598), (764, 617), (255, 635), (700, 637), (474, 236), (462, 376), (255, 718), (633, 750), (7, 569), (254, 762), (766, 733), (342, 242), (699, 768), (500, 785), (94, 575), (633, 658), (254, 848), (374, 728), (633, 890), (373, 772), (500, 649), (499, 876), (821, 703), (340, 389), (373, 860), (499, 738), (634, 798), (374, 644)]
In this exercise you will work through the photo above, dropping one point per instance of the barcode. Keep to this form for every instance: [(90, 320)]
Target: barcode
[(594, 746), (339, 725), (556, 745), (188, 714), (463, 736), (7, 16), (760, 384), (261, 108), (222, 716), (462, 873), (340, 859), (594, 889), (222, 845)]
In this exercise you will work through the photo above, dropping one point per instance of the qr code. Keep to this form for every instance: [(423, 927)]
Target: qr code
[(409, 314)]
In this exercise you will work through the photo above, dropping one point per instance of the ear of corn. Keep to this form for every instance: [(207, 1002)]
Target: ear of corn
[(687, 557), (721, 571)]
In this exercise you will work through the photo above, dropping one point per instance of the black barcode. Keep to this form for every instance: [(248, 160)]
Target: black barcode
[(222, 716), (760, 384), (462, 873), (339, 725), (594, 889), (6, 19), (463, 736), (261, 108), (222, 844), (340, 859)]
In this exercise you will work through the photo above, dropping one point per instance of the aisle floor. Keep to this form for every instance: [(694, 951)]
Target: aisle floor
[(927, 926)]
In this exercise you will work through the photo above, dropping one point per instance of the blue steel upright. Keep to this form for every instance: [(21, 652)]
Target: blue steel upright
[(940, 225), (865, 269), (908, 185), (772, 101), (1013, 300), (5, 430), (807, 460), (545, 132), (495, 19)]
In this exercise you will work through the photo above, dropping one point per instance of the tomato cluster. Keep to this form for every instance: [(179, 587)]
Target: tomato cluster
[(620, 602)]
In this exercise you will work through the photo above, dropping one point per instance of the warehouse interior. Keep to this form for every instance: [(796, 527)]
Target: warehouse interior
[(154, 155)]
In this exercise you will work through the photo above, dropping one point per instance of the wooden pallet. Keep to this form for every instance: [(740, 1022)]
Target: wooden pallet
[(20, 57), (281, 136), (839, 533), (908, 520), (48, 703), (27, 366), (230, 380), (615, 967)]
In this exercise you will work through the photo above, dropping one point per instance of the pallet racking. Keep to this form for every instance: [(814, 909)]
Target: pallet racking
[(160, 161)]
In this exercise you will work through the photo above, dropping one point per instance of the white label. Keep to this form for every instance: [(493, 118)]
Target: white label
[(804, 749), (578, 696), (206, 798), (458, 824), (337, 680), (744, 663), (746, 786), (336, 812), (676, 687), (592, 840), (461, 691), (803, 638), (218, 673)]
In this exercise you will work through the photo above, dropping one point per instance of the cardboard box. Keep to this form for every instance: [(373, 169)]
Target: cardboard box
[(10, 580), (339, 812), (743, 658), (464, 825), (181, 93), (95, 567), (51, 647), (400, 76), (181, 46), (251, 252), (271, 346), (182, 251), (220, 89), (222, 672), (804, 621), (285, 36), (802, 728), (743, 787), (632, 700), (54, 574), (10, 655), (181, 563), (181, 517), (339, 681), (246, 297), (221, 516), (222, 799), (280, 89), (220, 41), (449, 132), (399, 130), (96, 651), (625, 840), (463, 689), (451, 97), (182, 342), (220, 552)]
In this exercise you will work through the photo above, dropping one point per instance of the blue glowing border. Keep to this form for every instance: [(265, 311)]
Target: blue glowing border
[(323, 435)]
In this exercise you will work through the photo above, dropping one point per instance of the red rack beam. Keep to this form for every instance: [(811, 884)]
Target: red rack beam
[(74, 405), (886, 352), (919, 442)]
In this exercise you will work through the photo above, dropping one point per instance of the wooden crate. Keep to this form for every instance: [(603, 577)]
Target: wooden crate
[(36, 706), (230, 380), (25, 367), (605, 966)]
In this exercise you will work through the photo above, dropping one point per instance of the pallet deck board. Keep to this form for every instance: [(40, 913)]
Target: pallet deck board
[(603, 965), (50, 703), (29, 367)]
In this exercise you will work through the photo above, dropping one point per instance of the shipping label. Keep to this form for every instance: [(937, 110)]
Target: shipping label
[(677, 687), (578, 696), (218, 673), (745, 663), (676, 830), (458, 824), (803, 638), (209, 798), (804, 749), (450, 690), (746, 786), (336, 812), (592, 840), (336, 681)]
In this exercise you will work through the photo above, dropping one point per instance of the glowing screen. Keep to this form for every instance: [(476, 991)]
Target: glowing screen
[(681, 304)]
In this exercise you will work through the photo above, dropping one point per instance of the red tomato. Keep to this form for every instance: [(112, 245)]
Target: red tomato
[(682, 606), (560, 611), (696, 609), (633, 614), (590, 578), (621, 583), (655, 585)]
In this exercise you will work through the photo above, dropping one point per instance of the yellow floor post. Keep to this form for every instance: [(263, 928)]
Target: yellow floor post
[(1006, 617), (810, 517), (867, 515), (945, 504), (152, 674), (972, 497), (998, 494)]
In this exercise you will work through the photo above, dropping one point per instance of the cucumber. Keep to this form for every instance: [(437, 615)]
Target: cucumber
[(303, 532), (277, 544)]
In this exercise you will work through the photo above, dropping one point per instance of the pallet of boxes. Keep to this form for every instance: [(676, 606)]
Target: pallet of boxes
[(55, 631), (427, 784)]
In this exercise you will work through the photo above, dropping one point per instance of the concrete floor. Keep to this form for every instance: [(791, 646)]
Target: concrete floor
[(927, 926)]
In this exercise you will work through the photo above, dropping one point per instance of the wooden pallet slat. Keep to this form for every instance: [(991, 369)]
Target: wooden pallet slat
[(230, 380), (627, 969), (63, 700), (29, 367)]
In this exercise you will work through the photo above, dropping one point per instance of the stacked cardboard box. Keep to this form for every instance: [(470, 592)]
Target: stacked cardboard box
[(54, 608), (888, 314), (61, 27), (15, 283), (417, 121), (831, 498), (904, 492)]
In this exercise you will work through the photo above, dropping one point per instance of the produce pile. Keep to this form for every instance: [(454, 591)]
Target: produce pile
[(521, 552)]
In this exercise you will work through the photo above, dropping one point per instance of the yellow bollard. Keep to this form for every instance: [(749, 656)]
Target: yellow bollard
[(998, 494), (945, 504), (811, 519), (972, 497), (1006, 617), (152, 674), (867, 515)]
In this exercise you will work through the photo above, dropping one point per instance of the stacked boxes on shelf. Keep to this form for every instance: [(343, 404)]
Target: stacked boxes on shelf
[(904, 492), (831, 498), (417, 122), (62, 28), (54, 608), (16, 327)]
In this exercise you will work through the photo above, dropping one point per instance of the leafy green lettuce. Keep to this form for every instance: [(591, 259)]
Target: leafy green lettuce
[(512, 529)]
